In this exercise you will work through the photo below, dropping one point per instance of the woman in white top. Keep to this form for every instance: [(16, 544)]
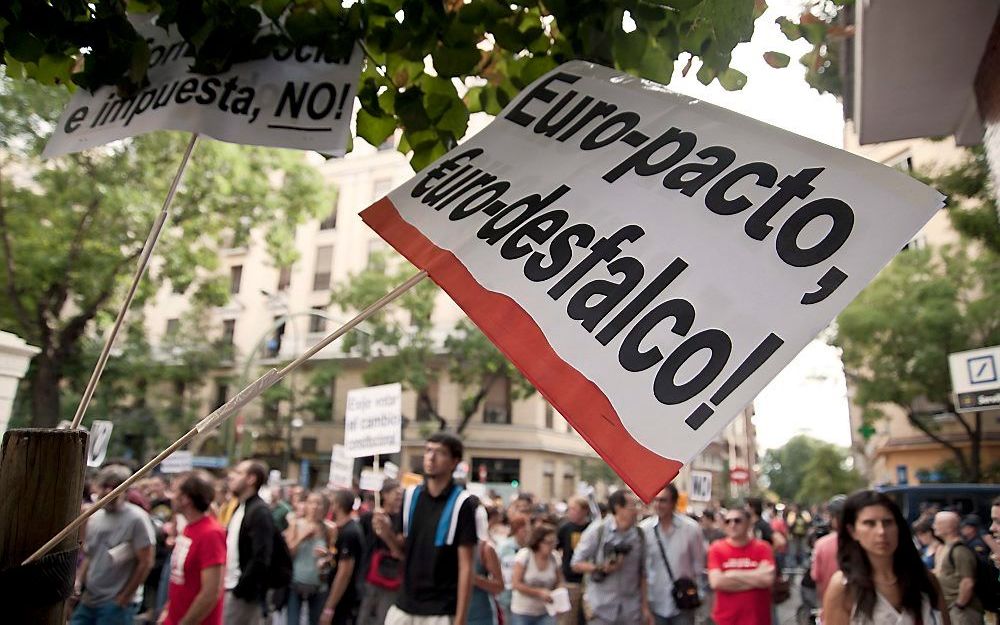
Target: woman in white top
[(881, 578), (536, 574)]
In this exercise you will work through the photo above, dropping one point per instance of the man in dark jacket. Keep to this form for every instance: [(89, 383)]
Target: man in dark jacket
[(249, 542)]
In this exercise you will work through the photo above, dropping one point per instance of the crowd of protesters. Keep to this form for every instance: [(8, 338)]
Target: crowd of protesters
[(197, 549)]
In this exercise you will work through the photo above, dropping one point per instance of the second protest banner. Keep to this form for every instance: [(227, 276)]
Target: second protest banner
[(648, 261), (373, 420)]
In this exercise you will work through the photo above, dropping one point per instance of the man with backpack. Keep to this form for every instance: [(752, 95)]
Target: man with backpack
[(956, 569), (250, 542), (436, 532)]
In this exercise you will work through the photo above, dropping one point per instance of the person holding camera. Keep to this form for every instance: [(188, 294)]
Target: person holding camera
[(675, 557), (612, 552)]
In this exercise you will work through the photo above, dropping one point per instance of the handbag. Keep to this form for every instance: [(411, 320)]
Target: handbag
[(384, 571), (685, 590), (781, 590)]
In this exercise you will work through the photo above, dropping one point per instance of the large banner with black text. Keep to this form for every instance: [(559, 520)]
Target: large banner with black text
[(293, 99), (648, 261)]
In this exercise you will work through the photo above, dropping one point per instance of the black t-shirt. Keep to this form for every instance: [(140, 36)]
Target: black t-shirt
[(350, 546), (430, 579), (762, 530), (568, 536)]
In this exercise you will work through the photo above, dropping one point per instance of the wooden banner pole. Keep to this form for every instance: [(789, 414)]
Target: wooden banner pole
[(242, 398), (147, 251), (378, 491)]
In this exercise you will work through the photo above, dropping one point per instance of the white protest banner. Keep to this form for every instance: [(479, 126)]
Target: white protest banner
[(341, 468), (648, 261), (293, 99), (701, 486), (391, 470), (178, 462), (371, 480), (373, 420), (97, 446)]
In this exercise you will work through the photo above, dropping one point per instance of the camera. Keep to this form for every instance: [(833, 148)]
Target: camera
[(612, 553)]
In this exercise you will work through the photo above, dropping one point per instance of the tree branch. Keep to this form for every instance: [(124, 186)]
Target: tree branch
[(472, 404), (57, 298), (963, 463)]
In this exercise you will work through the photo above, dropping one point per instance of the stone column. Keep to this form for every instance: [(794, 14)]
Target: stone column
[(15, 355)]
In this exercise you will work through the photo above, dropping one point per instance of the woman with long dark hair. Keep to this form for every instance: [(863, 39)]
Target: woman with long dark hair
[(881, 578)]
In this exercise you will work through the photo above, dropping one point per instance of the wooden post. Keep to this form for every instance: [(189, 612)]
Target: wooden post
[(41, 478)]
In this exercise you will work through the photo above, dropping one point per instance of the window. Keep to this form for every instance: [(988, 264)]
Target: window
[(549, 416), (235, 277), (308, 444), (496, 405), (324, 267), (424, 412), (322, 409), (317, 320), (172, 326), (499, 469), (273, 347), (221, 391), (284, 278), (228, 331), (331, 220)]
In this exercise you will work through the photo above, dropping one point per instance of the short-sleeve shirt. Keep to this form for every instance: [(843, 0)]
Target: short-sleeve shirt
[(202, 546), (568, 536), (745, 607), (430, 578), (824, 563), (951, 568), (536, 578), (111, 541), (350, 546)]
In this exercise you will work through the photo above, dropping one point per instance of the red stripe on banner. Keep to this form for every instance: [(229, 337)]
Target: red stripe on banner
[(517, 335)]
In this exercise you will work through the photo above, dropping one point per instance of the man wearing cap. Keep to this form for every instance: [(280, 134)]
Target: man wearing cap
[(972, 534)]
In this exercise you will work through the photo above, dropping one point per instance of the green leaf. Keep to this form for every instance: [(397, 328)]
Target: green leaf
[(22, 45), (455, 120), (402, 71), (375, 130), (274, 8), (788, 28), (628, 49), (426, 154), (677, 5), (657, 65), (53, 69), (706, 74), (473, 99), (450, 62), (776, 60), (732, 79)]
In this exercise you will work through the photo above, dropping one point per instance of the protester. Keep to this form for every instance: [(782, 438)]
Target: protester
[(342, 601), (995, 530), (675, 557), (799, 521), (741, 572), (612, 552), (309, 538), (199, 557), (929, 543), (249, 545), (517, 539), (824, 557), (118, 554), (971, 530), (383, 568), (577, 519), (955, 567), (881, 578), (536, 574), (438, 565), (487, 581)]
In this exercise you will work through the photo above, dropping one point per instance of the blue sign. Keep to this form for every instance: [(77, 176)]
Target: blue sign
[(210, 462), (304, 473)]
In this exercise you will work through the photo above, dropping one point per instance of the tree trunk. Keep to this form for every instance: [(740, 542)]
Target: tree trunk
[(45, 406), (975, 449)]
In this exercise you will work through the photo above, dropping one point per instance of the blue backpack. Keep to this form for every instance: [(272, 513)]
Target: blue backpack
[(447, 524)]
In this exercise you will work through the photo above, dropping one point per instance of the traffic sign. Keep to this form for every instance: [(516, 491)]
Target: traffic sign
[(975, 379)]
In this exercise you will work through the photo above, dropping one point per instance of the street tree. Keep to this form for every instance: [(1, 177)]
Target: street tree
[(897, 334), (407, 347), (414, 50), (72, 229), (807, 470)]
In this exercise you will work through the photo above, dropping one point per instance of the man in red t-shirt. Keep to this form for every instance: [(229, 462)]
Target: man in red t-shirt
[(199, 558), (741, 572)]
